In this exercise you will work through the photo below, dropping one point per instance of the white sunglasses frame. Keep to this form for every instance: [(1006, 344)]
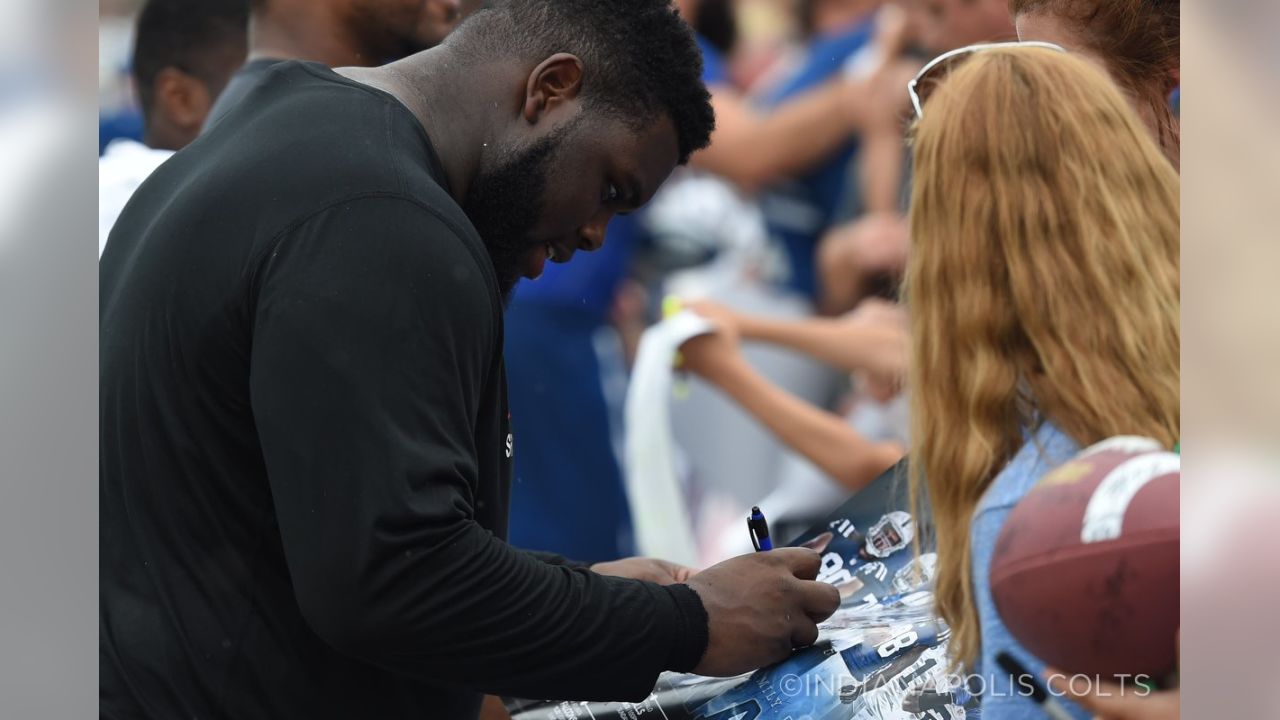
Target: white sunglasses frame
[(968, 49)]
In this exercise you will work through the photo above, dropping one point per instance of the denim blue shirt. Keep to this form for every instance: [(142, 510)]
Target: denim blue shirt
[(1043, 451)]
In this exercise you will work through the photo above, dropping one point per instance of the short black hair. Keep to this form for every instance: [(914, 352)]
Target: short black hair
[(640, 58), (188, 35)]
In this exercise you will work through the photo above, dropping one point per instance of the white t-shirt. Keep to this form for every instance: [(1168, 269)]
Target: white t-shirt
[(121, 169)]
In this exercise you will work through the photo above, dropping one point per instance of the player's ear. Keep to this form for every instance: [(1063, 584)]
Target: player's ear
[(554, 83)]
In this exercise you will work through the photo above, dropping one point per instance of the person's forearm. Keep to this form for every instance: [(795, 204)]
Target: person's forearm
[(822, 437), (474, 612), (831, 341), (753, 149), (880, 167), (884, 137)]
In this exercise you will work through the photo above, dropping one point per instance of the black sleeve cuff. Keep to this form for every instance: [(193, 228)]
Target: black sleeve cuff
[(691, 637)]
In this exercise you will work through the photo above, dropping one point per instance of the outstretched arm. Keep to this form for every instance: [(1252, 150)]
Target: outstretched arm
[(872, 339), (883, 140), (820, 436), (753, 148)]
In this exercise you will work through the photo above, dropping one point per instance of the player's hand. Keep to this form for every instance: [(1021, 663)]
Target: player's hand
[(819, 543), (760, 607), (642, 568), (1108, 701)]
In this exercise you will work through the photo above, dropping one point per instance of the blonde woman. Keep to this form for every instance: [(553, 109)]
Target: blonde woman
[(1042, 287)]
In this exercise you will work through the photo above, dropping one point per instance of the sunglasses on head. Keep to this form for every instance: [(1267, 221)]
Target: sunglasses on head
[(932, 73)]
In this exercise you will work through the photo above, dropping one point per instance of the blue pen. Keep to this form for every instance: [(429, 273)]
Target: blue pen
[(758, 528)]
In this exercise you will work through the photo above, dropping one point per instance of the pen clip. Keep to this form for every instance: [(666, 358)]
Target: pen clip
[(758, 529)]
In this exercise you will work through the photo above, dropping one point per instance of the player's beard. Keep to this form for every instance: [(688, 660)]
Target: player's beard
[(504, 203)]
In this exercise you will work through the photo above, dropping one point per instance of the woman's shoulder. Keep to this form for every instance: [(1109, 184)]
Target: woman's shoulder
[(1045, 448)]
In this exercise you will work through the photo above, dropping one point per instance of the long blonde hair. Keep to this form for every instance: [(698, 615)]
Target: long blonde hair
[(1042, 284)]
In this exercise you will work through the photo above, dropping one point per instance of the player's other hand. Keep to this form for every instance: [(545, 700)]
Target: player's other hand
[(760, 607), (1109, 701), (642, 568)]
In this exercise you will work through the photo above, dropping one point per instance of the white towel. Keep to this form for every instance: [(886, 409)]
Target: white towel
[(659, 509)]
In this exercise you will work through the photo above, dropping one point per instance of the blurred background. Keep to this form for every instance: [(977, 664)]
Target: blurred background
[(118, 108)]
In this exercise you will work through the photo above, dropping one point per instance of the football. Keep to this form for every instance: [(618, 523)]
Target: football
[(1085, 571)]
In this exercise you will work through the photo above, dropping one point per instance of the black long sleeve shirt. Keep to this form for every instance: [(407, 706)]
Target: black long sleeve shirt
[(305, 444)]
